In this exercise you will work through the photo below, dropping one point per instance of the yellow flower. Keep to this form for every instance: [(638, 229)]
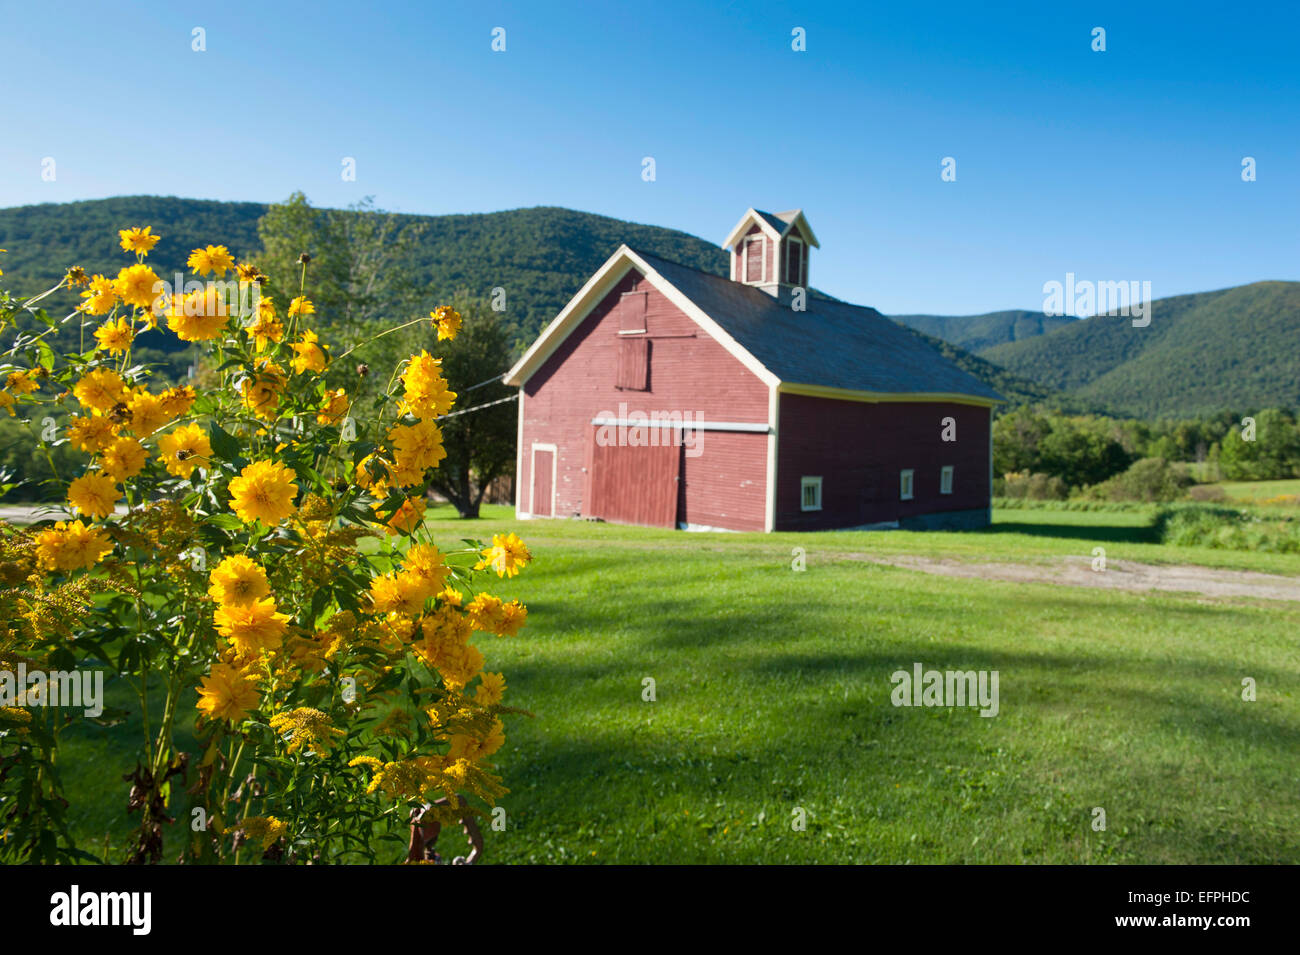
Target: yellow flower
[(7, 402), (513, 616), (485, 613), (176, 400), (301, 306), (238, 580), (93, 494), (124, 458), (91, 434), (262, 390), (263, 491), (248, 272), (309, 356), (227, 694), (306, 728), (147, 413), (448, 321), (138, 240), (506, 555), (100, 390), (491, 688), (267, 328), (416, 448), (426, 396), (135, 285), (251, 626), (183, 449), (335, 408), (404, 593), (100, 297), (407, 517), (76, 277), (199, 316), (265, 831), (115, 336), (214, 258), (71, 546), (21, 382), (425, 561)]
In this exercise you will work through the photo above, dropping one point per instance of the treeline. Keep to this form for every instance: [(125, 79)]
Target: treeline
[(1047, 455)]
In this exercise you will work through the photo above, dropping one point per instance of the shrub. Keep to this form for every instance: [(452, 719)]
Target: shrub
[(1226, 528), (1207, 493), (1151, 479), (211, 547), (1034, 487)]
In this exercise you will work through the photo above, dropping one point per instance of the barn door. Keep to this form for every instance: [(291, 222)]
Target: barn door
[(635, 485), (543, 502)]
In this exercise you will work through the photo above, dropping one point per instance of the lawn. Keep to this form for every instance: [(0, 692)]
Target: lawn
[(1255, 492), (773, 695)]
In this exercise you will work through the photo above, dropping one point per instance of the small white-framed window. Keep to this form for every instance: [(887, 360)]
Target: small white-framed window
[(905, 485), (810, 494), (945, 479)]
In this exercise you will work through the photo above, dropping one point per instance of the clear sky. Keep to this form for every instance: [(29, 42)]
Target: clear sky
[(1118, 165)]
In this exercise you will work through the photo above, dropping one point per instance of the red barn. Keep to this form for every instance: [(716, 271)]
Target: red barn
[(667, 396)]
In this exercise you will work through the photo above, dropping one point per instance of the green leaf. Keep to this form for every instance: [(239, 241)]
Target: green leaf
[(224, 444)]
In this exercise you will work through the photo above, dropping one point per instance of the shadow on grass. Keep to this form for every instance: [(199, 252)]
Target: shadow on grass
[(1110, 534)]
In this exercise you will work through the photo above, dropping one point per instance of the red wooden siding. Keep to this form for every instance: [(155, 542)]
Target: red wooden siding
[(635, 485), (690, 372), (859, 448), (632, 312), (633, 364), (755, 246), (544, 468)]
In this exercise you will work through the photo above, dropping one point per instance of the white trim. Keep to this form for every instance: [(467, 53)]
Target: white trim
[(751, 216), (599, 285), (945, 476), (791, 241), (805, 483), (532, 476), (758, 427), (907, 475), (774, 419), (519, 461)]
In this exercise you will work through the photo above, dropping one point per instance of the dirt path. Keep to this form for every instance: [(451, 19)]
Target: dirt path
[(1118, 575)]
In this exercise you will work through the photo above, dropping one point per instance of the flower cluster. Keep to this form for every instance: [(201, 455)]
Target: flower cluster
[(250, 544)]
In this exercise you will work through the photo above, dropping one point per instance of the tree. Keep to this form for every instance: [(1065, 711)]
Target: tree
[(360, 269), (480, 444)]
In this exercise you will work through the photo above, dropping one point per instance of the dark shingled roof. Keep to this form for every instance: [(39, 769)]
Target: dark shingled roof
[(833, 344)]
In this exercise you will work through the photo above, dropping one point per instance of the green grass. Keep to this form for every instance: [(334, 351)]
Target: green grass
[(773, 694), (1255, 492)]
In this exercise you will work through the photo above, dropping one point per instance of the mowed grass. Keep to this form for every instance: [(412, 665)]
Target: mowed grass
[(773, 695), (773, 691)]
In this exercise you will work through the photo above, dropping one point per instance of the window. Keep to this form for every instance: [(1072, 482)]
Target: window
[(633, 370), (945, 480), (810, 490), (755, 259), (794, 261), (631, 313), (905, 485)]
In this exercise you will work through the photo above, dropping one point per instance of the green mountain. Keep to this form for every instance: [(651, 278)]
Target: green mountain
[(978, 332), (1237, 348), (541, 256)]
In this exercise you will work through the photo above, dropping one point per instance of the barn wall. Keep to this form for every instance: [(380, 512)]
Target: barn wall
[(689, 373), (859, 448)]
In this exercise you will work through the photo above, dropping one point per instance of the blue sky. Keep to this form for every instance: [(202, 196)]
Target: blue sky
[(1122, 165)]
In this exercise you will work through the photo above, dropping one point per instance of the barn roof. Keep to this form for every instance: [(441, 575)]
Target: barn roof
[(831, 345)]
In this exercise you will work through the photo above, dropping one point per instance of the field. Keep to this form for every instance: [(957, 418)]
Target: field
[(773, 695)]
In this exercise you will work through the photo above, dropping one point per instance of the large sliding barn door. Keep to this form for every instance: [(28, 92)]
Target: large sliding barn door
[(635, 485)]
